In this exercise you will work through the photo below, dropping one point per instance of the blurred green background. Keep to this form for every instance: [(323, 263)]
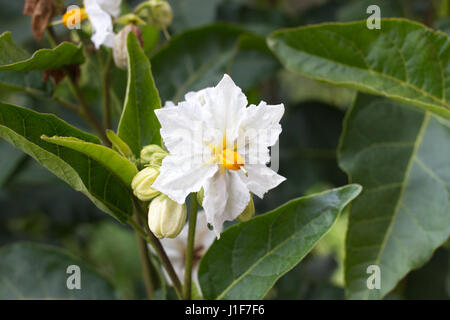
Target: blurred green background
[(36, 207)]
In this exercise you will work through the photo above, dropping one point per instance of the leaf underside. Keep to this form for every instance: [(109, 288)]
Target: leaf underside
[(382, 61), (400, 155)]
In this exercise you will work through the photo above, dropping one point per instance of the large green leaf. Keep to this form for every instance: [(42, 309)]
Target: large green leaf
[(192, 13), (198, 58), (14, 58), (138, 125), (403, 60), (110, 159), (16, 80), (30, 271), (400, 155), (30, 82), (23, 128), (250, 257)]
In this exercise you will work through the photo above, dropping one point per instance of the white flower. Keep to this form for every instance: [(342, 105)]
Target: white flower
[(216, 142), (176, 248), (100, 13)]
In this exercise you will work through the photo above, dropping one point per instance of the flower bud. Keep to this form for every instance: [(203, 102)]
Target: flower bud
[(142, 184), (153, 155), (161, 13), (166, 218), (120, 53), (248, 212)]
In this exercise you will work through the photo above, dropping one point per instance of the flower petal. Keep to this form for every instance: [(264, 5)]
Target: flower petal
[(260, 179), (197, 97), (226, 197), (183, 128), (101, 23), (181, 175), (226, 104), (112, 7)]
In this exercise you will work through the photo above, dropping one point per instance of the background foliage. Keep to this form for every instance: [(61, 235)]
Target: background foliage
[(229, 36)]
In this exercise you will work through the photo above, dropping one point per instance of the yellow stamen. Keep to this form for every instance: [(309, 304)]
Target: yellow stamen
[(71, 13), (231, 160), (228, 158)]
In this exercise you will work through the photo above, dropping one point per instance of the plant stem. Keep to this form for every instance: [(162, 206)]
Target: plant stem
[(51, 36), (166, 33), (106, 74), (190, 248), (67, 104), (85, 111), (160, 252), (145, 263)]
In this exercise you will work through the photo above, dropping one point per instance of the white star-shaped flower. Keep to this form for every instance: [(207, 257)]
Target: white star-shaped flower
[(100, 13), (219, 144)]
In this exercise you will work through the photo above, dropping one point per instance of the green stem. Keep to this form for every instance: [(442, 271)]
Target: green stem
[(67, 104), (85, 111), (166, 33), (146, 264), (106, 75), (160, 252), (190, 248)]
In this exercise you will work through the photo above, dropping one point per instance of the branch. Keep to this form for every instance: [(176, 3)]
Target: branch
[(190, 248)]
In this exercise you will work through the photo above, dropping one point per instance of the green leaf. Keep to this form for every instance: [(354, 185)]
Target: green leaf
[(198, 58), (192, 13), (250, 257), (31, 271), (119, 144), (23, 128), (385, 62), (14, 58), (110, 159), (138, 125), (31, 82), (17, 80), (400, 155)]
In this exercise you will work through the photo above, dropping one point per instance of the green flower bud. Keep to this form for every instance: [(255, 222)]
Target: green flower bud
[(248, 212), (153, 155), (157, 158), (201, 196), (161, 13), (130, 18), (166, 218), (142, 184)]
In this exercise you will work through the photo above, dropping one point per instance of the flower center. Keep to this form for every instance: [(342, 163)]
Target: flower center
[(69, 15), (228, 158), (231, 160)]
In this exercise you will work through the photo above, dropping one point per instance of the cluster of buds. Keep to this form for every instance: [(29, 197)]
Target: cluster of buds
[(166, 218), (153, 155)]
